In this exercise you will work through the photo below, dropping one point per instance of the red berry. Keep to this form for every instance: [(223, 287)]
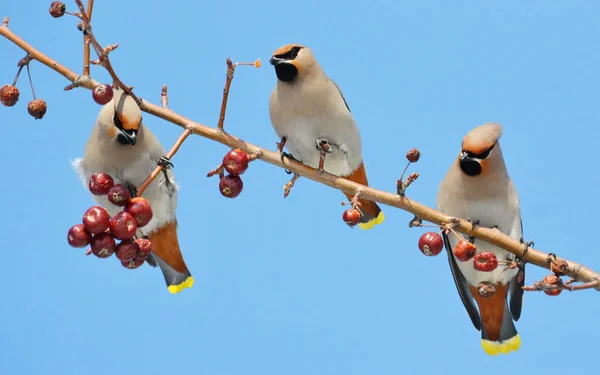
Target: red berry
[(552, 280), (144, 247), (351, 217), (78, 236), (96, 219), (236, 162), (464, 250), (123, 226), (431, 244), (103, 245), (102, 94), (140, 209), (231, 186), (9, 95), (57, 9), (486, 289), (37, 108), (134, 263), (126, 250), (413, 155), (119, 195), (100, 183), (485, 261)]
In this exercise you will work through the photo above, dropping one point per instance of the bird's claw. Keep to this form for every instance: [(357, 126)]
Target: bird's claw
[(323, 145), (165, 162), (289, 156), (132, 189)]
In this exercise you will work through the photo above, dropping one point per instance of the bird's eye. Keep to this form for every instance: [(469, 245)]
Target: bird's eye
[(481, 156), (117, 121), (289, 55)]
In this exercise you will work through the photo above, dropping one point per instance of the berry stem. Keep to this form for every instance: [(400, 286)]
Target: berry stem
[(30, 82), (186, 133)]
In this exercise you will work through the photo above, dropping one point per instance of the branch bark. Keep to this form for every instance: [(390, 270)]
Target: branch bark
[(576, 271)]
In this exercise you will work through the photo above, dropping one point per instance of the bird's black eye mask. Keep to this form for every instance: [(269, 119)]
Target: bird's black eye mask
[(289, 55), (481, 156)]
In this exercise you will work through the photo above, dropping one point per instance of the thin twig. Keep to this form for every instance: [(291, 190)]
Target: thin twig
[(492, 236), (287, 188), (5, 21), (164, 96), (86, 41), (186, 133), (539, 286), (230, 71)]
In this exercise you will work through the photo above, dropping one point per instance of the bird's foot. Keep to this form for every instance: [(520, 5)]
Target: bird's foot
[(324, 148), (132, 189), (474, 224), (165, 162)]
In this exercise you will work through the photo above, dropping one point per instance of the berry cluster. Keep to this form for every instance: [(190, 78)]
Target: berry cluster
[(235, 162), (100, 231)]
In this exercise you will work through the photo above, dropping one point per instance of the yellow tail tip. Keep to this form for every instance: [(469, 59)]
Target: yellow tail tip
[(174, 289), (371, 223), (504, 347)]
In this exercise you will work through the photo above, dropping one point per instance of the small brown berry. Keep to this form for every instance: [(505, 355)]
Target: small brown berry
[(559, 267), (552, 280), (140, 209), (431, 244), (236, 162), (126, 250), (100, 183), (486, 289), (134, 263), (231, 186), (123, 226), (144, 247), (57, 9), (351, 217), (103, 245), (102, 94), (78, 236), (413, 155), (96, 219), (485, 261), (119, 195), (37, 108), (9, 95), (464, 250)]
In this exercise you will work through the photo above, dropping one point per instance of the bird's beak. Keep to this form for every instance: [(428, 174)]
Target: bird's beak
[(275, 60), (471, 166), (130, 138)]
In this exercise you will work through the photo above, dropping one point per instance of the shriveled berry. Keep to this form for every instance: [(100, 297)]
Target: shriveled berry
[(431, 243), (37, 108), (57, 9), (236, 162), (123, 226), (134, 263), (485, 261), (103, 94), (351, 217), (464, 250), (559, 267), (144, 247), (9, 95), (126, 250), (119, 195), (486, 289), (96, 219), (552, 280), (140, 209), (231, 186), (413, 155), (78, 236), (103, 245), (100, 183)]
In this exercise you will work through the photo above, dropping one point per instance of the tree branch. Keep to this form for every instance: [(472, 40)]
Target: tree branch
[(576, 271)]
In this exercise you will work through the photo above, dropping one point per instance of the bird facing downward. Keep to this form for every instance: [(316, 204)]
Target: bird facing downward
[(123, 147), (479, 188), (309, 113)]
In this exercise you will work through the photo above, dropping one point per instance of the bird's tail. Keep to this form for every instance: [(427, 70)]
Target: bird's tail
[(168, 255), (371, 213), (498, 331)]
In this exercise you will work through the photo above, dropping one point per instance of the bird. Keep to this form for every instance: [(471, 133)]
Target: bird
[(123, 147), (311, 117), (478, 187)]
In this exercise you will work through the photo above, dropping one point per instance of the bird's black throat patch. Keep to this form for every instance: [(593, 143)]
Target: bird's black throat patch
[(286, 72)]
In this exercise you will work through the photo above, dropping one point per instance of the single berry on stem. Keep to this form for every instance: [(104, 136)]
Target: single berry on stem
[(236, 162), (9, 95), (431, 243), (351, 217), (126, 250), (134, 263), (464, 250), (100, 183), (103, 245), (57, 9), (140, 209), (231, 186), (119, 195), (413, 155), (552, 280), (78, 236), (96, 219), (123, 226), (485, 261), (144, 247), (37, 108), (103, 94)]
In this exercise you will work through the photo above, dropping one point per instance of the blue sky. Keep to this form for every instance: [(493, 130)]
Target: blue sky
[(283, 286)]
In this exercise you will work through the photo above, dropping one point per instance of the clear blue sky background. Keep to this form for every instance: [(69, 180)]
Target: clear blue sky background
[(284, 286)]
